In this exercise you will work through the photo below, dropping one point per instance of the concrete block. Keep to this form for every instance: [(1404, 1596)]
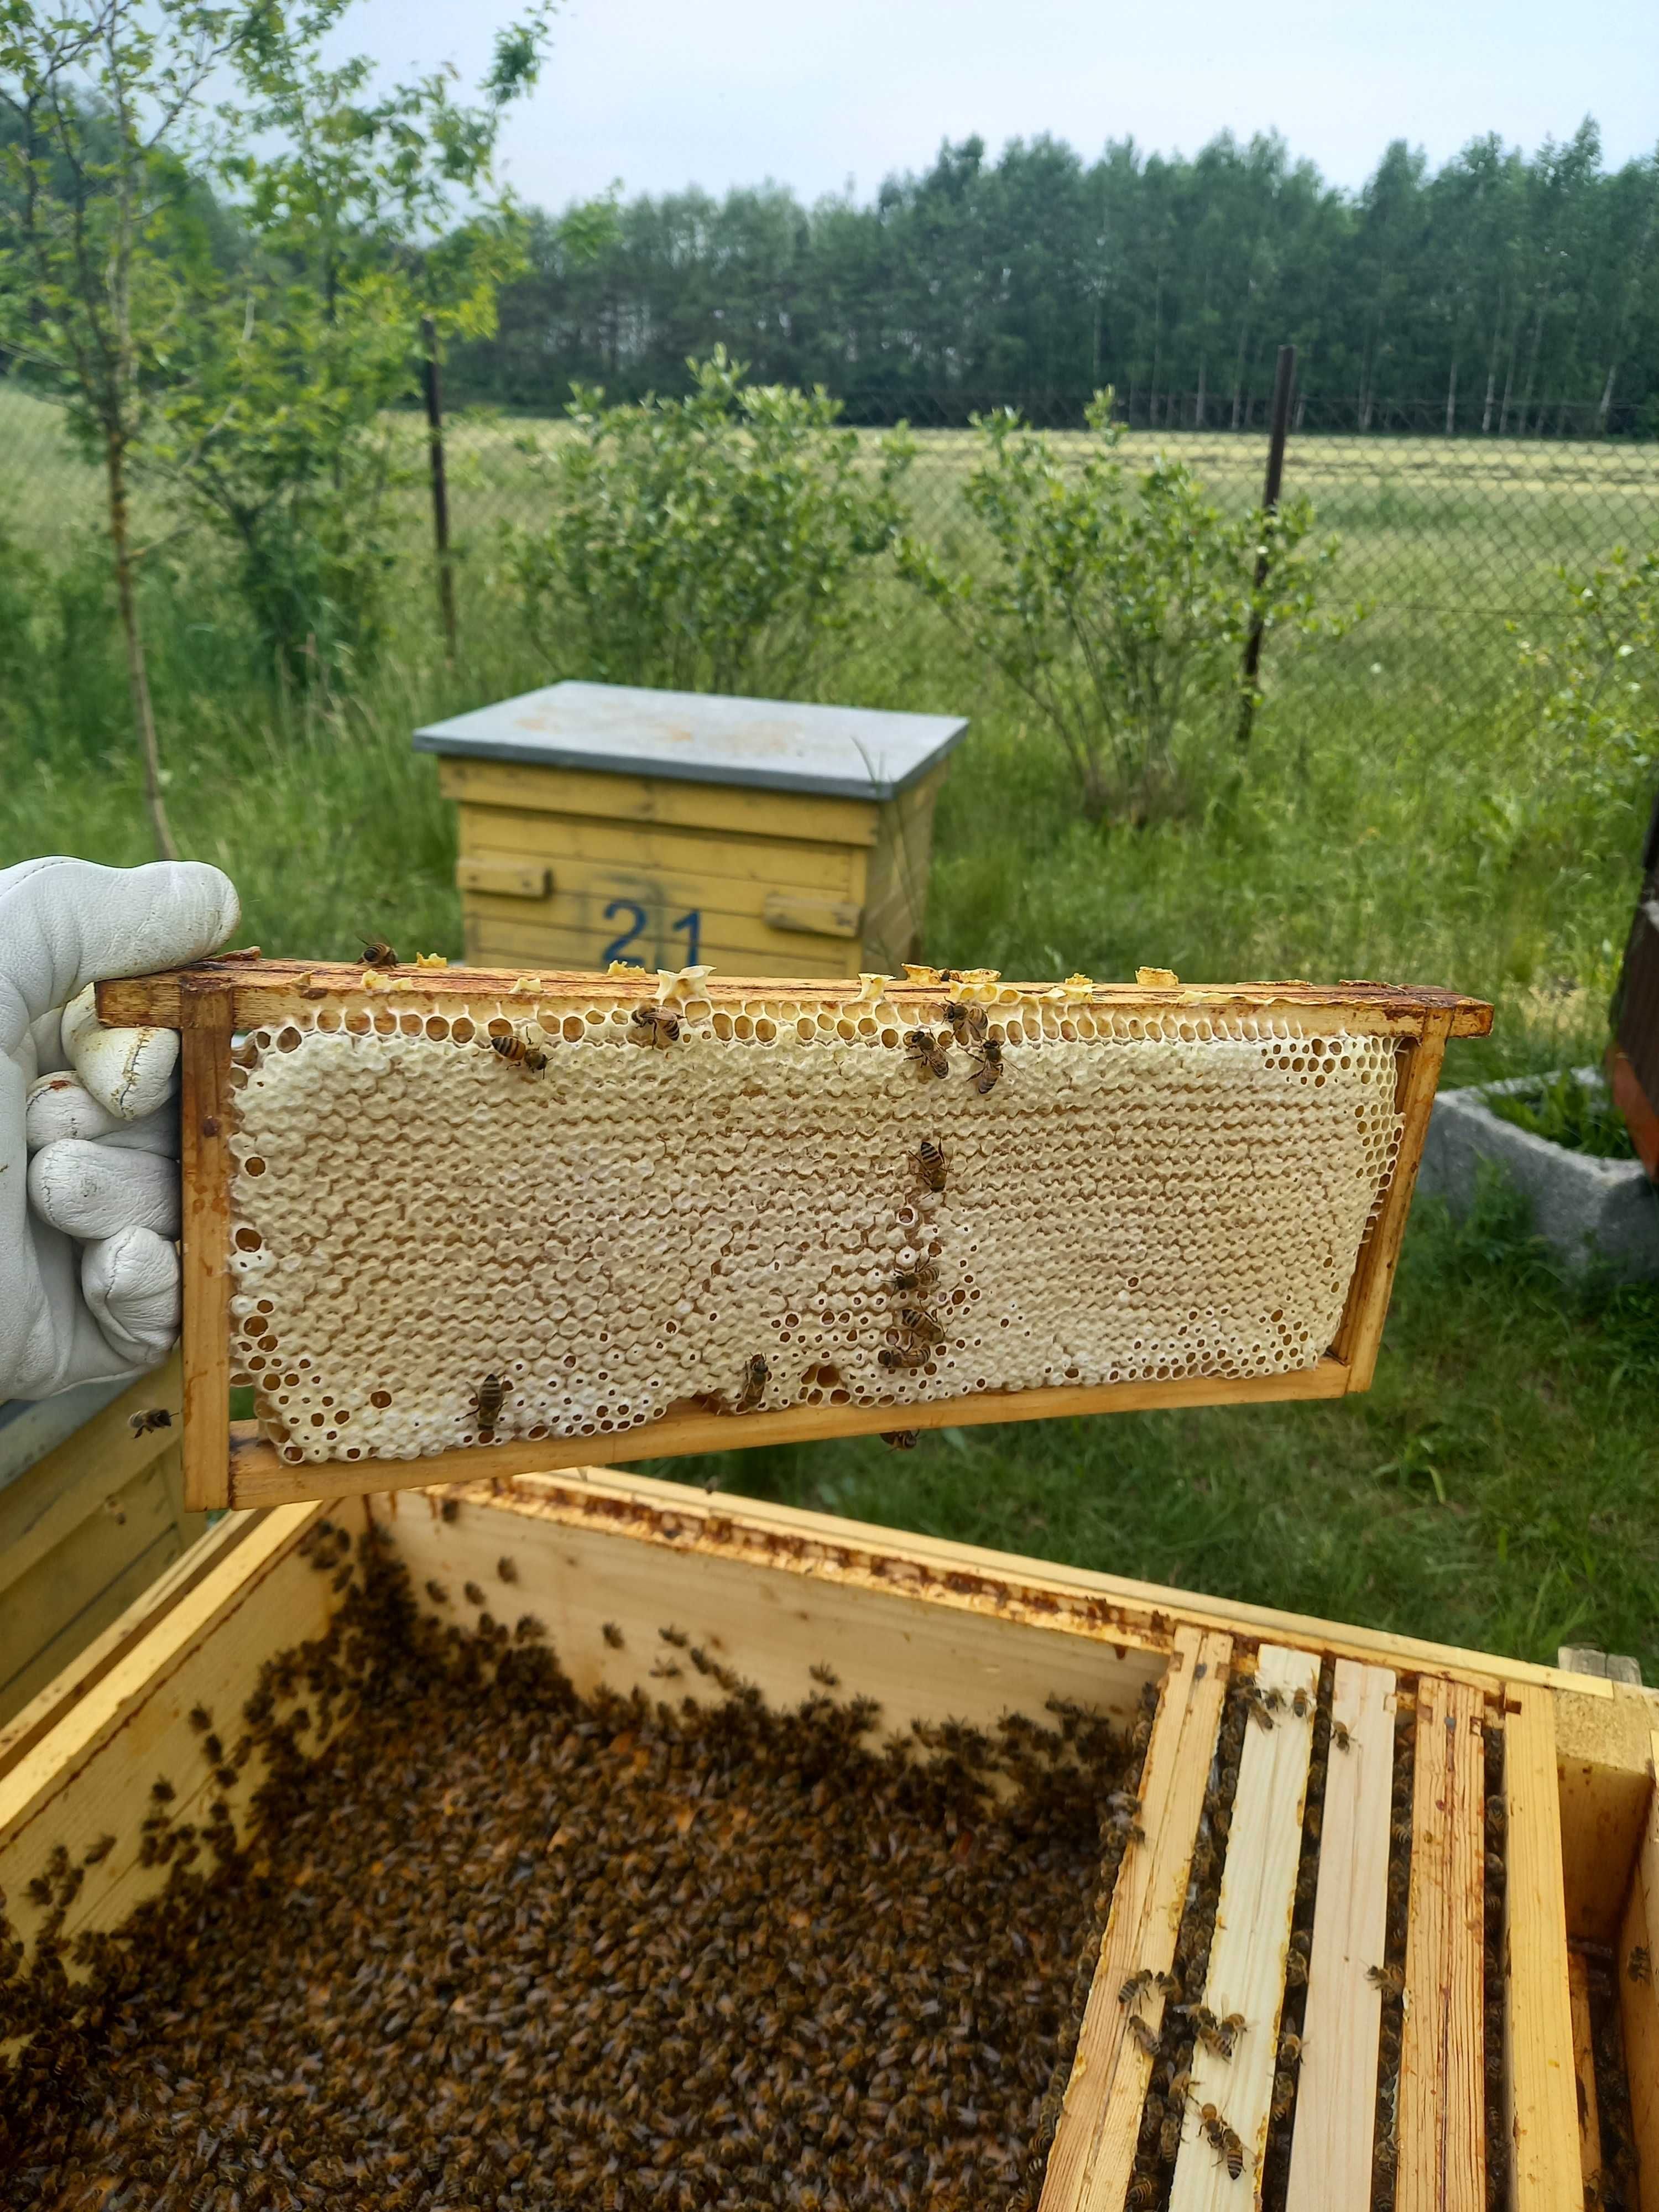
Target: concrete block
[(1591, 1212)]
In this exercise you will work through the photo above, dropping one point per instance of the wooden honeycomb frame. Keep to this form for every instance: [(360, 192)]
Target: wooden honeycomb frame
[(226, 1464)]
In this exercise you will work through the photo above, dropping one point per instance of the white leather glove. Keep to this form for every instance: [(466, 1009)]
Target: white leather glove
[(90, 1118)]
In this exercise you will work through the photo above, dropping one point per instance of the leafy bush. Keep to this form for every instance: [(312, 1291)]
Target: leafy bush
[(1595, 698), (279, 442), (707, 543), (1118, 606)]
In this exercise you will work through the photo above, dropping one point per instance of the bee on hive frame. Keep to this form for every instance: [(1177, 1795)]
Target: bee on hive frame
[(930, 1164), (901, 1439), (492, 1394), (926, 1054), (519, 1052), (922, 1277), (898, 1356), (988, 1060), (969, 1024), (755, 1374), (654, 1025), (377, 953)]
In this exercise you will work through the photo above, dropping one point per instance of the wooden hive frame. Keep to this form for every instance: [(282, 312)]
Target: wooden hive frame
[(210, 1002), (935, 1630)]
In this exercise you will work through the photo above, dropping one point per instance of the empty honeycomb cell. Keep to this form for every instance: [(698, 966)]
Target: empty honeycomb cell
[(1137, 1198)]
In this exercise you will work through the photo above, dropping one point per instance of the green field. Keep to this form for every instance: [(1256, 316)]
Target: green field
[(1396, 817)]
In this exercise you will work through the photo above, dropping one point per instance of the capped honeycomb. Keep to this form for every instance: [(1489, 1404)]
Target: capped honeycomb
[(565, 1218)]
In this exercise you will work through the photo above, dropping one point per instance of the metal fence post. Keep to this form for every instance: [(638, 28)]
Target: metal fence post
[(435, 429), (1284, 383)]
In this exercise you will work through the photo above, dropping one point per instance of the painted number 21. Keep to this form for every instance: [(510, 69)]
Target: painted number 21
[(626, 946)]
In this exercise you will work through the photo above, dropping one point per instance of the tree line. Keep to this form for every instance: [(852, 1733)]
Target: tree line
[(1501, 293)]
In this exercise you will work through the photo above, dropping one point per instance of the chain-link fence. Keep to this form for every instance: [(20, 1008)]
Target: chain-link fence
[(1451, 544)]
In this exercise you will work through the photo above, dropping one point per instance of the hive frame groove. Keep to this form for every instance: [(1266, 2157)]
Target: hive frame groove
[(209, 1002), (1091, 2157)]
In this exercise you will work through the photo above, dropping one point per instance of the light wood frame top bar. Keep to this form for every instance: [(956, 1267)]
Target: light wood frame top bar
[(263, 991)]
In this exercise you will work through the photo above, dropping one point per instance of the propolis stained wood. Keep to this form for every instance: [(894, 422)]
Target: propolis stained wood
[(716, 1213)]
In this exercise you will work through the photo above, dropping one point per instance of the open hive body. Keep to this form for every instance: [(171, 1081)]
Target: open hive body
[(1511, 1859), (678, 1214)]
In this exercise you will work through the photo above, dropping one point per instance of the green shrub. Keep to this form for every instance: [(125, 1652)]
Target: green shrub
[(1118, 606), (1596, 700), (708, 544)]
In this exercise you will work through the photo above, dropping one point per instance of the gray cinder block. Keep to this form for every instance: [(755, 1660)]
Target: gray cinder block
[(1592, 1212)]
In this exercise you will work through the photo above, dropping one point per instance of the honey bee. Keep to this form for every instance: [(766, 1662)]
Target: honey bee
[(756, 1374), (821, 1671), (1339, 1735), (437, 1593), (1145, 2034), (1232, 2153), (377, 953), (1291, 2048), (487, 1404), (894, 1356), (1283, 2093), (1143, 2193), (1233, 2025), (989, 1060), (1639, 1965), (1302, 1704), (1256, 1703), (158, 1417), (921, 1277), (969, 1024), (901, 1439), (926, 1054), (612, 1635), (920, 1325), (1211, 2125), (1391, 1980), (1139, 1985), (930, 1164), (518, 1052), (1169, 2135), (654, 1025)]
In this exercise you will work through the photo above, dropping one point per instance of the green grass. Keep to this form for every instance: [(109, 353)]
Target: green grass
[(1564, 1111), (1394, 819)]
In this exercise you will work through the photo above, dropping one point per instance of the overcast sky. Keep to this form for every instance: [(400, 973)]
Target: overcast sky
[(666, 93)]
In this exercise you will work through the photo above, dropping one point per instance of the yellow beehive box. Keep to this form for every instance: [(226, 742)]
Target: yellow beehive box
[(600, 823)]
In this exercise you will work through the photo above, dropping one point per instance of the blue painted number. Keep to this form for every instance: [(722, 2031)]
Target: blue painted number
[(618, 948), (692, 925)]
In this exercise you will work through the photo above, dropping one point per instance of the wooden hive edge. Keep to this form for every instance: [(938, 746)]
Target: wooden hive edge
[(806, 1542), (263, 990)]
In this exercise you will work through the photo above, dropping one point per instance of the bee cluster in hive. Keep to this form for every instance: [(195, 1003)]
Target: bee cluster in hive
[(563, 1217)]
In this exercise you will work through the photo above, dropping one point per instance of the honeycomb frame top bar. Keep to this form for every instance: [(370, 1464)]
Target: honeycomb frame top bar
[(264, 990)]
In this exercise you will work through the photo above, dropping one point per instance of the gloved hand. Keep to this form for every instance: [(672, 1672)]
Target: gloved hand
[(88, 1117)]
